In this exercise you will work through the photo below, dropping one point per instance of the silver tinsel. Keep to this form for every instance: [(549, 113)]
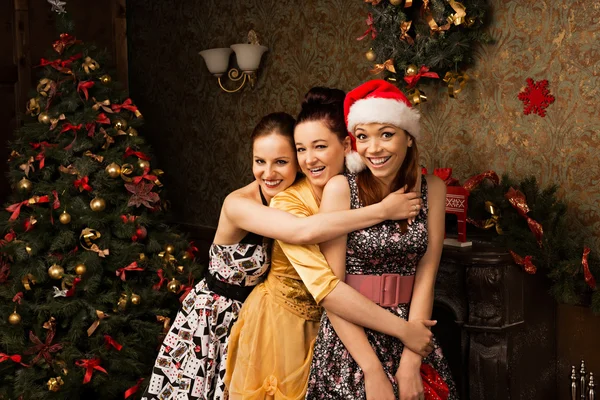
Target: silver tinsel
[(58, 6)]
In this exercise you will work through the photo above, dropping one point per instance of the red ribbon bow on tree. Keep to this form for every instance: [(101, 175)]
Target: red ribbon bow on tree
[(526, 262), (43, 349), (187, 288), (587, 274), (58, 64), (71, 291), (17, 298), (102, 119), (41, 157), (131, 267), (145, 175), (90, 365), (14, 358), (423, 73), (128, 105), (109, 341), (132, 390), (82, 184), (371, 29), (16, 208), (158, 285), (130, 152), (84, 86), (519, 202), (65, 41), (67, 126)]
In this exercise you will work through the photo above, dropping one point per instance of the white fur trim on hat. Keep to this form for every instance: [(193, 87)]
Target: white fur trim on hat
[(354, 163), (384, 111)]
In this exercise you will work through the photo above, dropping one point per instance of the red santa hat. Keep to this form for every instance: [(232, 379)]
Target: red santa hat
[(378, 101)]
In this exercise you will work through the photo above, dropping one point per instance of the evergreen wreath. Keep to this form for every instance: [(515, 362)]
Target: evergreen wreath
[(439, 35)]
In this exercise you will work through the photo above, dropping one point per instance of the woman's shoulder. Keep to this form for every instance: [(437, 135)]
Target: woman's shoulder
[(338, 184), (248, 192), (435, 185)]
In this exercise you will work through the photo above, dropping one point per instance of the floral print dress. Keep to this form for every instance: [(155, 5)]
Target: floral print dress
[(376, 250)]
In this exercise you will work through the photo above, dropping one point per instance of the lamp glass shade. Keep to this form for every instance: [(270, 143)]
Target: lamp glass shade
[(248, 55), (217, 60)]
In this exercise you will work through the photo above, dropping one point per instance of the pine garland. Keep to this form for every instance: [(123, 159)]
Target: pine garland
[(449, 47), (560, 255)]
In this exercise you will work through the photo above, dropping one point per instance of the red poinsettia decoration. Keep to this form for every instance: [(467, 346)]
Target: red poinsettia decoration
[(536, 97), (142, 194)]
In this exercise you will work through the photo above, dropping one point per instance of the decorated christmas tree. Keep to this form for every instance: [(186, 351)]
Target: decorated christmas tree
[(90, 274)]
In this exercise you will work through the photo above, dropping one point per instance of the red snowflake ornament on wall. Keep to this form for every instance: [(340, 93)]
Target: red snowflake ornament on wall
[(536, 97)]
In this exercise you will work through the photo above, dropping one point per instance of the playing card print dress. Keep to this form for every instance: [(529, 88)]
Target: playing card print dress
[(191, 362)]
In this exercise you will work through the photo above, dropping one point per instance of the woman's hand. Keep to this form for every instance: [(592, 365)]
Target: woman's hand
[(408, 377), (377, 385), (399, 205), (417, 336)]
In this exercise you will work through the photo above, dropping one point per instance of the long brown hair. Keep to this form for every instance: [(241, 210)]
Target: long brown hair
[(370, 192)]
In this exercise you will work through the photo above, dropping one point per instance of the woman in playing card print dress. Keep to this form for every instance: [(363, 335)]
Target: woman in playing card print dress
[(191, 361), (350, 362)]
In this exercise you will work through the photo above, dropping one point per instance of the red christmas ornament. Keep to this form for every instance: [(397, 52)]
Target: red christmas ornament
[(536, 97), (140, 233)]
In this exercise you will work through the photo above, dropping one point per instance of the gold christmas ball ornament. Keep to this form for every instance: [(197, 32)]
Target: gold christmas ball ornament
[(370, 55), (174, 286), (135, 299), (143, 164), (169, 249), (64, 218), (28, 249), (44, 118), (412, 70), (132, 131), (97, 204), (395, 2), (56, 272), (113, 170), (105, 79), (54, 384), (80, 269), (25, 185), (119, 124), (14, 318)]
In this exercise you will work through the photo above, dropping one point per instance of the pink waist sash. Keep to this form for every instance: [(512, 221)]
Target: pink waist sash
[(387, 290)]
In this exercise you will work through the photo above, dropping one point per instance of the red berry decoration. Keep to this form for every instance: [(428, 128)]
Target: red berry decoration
[(140, 233)]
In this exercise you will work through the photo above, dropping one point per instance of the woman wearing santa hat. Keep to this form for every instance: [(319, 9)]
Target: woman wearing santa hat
[(392, 263), (270, 347)]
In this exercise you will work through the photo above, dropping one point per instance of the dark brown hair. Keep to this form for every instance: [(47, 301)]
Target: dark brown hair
[(280, 123), (370, 191), (325, 105)]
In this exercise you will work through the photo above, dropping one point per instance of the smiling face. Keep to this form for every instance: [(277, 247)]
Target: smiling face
[(274, 163), (320, 152), (383, 148)]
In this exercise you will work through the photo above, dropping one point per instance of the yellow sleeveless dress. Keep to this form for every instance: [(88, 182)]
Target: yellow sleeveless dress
[(271, 344)]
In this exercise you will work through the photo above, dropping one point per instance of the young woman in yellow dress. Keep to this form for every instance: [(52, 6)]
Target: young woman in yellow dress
[(271, 344), (191, 361)]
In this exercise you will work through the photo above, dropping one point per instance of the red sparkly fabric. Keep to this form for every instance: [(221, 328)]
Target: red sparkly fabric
[(434, 387)]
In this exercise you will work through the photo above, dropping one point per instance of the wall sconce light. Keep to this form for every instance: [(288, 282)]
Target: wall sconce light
[(248, 57)]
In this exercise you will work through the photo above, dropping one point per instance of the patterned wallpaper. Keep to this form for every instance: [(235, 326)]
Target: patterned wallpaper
[(200, 134)]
